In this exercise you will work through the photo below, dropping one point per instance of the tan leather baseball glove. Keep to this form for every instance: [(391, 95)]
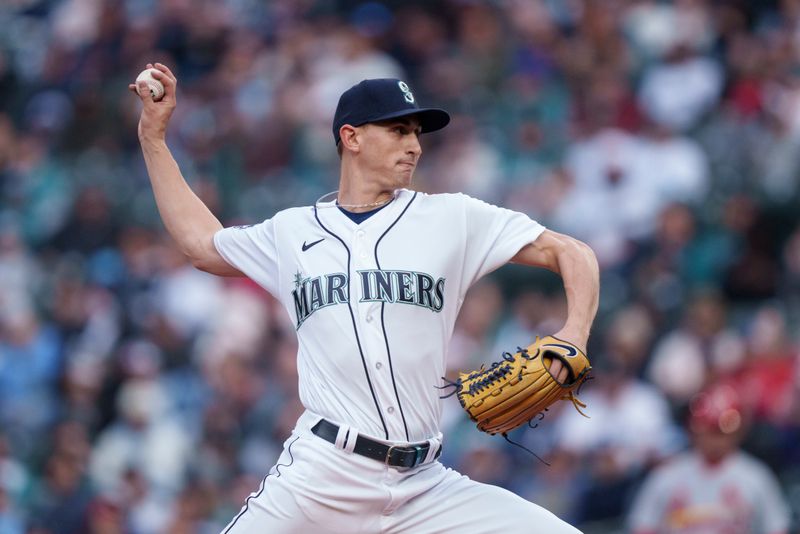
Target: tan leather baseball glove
[(517, 388)]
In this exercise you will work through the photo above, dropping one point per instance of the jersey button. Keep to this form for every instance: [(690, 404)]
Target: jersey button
[(363, 254), (369, 318), (360, 233), (378, 365), (390, 409)]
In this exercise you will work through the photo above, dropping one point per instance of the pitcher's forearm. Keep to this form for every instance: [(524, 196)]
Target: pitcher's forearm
[(187, 219), (581, 276), (577, 265)]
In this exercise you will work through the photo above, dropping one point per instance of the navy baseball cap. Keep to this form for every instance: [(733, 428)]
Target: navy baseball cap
[(382, 99)]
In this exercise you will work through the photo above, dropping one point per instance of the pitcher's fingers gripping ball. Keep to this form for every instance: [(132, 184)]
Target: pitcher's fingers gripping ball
[(519, 387), (156, 88)]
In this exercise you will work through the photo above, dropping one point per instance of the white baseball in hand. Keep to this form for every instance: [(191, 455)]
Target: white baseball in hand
[(155, 86)]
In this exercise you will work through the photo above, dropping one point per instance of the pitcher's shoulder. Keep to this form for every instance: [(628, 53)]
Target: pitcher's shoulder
[(442, 199), (295, 214)]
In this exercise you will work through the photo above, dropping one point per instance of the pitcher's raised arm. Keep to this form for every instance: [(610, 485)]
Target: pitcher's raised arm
[(187, 219)]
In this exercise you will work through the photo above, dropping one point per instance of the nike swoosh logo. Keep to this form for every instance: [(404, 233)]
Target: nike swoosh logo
[(306, 247), (572, 351)]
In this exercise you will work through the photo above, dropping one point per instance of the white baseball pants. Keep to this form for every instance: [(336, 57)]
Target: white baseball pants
[(317, 487)]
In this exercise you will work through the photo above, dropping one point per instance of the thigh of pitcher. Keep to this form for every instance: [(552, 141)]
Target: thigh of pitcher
[(272, 506), (458, 504), (313, 487)]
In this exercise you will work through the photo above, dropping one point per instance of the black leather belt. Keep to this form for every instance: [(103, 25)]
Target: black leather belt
[(410, 455)]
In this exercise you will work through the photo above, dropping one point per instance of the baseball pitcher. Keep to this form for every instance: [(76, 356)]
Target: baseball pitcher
[(373, 277)]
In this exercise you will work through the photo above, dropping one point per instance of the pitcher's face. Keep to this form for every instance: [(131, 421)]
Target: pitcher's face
[(391, 150)]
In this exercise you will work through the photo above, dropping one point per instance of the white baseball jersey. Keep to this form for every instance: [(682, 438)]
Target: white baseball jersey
[(738, 496), (374, 304)]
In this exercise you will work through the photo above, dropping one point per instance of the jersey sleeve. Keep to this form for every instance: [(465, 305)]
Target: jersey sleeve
[(253, 250), (494, 235)]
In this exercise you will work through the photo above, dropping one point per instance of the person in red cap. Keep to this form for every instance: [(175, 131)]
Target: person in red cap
[(715, 487)]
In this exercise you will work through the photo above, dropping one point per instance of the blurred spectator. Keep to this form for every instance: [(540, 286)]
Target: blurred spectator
[(664, 262), (188, 298), (655, 27), (466, 163), (148, 510), (37, 188), (29, 367), (775, 148), (753, 272), (61, 500), (145, 438), (703, 348), (679, 91), (766, 382), (87, 315), (678, 166), (613, 199), (90, 226), (714, 487)]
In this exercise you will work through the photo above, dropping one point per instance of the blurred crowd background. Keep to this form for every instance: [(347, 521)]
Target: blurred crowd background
[(138, 395)]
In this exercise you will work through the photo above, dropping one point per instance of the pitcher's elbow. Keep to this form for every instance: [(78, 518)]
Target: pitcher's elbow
[(199, 263), (584, 250)]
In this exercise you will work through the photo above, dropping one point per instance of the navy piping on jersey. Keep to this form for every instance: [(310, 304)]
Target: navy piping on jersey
[(383, 323), (261, 489), (355, 329)]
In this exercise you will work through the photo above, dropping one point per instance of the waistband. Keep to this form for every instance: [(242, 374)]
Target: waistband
[(401, 455)]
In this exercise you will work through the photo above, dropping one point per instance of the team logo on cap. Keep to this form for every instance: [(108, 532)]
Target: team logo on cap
[(407, 94)]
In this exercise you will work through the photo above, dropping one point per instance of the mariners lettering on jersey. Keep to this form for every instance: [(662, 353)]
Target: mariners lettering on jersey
[(311, 294), (404, 287)]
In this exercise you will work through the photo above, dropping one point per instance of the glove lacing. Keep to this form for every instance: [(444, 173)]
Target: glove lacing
[(497, 371)]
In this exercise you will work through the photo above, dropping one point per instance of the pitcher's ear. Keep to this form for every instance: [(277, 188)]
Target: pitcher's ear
[(350, 138)]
